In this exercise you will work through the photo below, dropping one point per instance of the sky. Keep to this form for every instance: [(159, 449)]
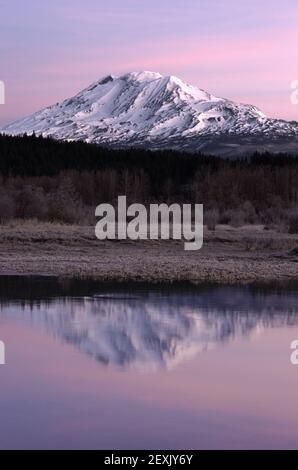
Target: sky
[(245, 51)]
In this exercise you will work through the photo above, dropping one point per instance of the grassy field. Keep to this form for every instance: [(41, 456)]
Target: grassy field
[(229, 255)]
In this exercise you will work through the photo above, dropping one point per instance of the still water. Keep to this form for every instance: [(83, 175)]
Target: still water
[(92, 367)]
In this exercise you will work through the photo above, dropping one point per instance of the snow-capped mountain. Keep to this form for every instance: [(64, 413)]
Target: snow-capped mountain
[(147, 332), (150, 110)]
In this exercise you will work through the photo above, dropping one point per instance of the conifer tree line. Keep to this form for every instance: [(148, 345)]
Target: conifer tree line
[(59, 181)]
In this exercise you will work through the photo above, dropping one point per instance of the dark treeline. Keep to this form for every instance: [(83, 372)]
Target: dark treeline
[(51, 180), (37, 156)]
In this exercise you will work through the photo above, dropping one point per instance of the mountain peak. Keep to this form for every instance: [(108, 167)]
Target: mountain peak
[(151, 110), (142, 76), (106, 79)]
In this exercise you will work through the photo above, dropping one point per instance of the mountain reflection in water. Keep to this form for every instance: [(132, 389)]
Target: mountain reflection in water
[(148, 331)]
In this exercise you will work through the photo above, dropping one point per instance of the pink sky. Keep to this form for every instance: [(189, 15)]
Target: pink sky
[(248, 53)]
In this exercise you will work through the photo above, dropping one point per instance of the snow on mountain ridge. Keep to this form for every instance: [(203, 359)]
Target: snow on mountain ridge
[(149, 109), (148, 332)]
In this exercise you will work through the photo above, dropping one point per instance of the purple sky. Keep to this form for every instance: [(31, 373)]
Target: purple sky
[(246, 51)]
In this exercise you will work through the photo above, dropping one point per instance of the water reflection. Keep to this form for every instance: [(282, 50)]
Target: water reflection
[(148, 331)]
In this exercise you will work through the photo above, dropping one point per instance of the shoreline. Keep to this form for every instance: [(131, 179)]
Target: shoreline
[(230, 256)]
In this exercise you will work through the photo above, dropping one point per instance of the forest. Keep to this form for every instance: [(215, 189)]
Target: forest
[(47, 180)]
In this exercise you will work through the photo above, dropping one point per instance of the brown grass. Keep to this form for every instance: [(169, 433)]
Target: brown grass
[(229, 255)]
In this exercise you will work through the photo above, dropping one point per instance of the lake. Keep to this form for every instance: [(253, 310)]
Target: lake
[(90, 366)]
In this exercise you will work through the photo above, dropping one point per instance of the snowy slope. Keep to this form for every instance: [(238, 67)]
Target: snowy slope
[(155, 111), (150, 332)]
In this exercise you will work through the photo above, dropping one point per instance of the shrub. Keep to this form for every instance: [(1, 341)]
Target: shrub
[(211, 218), (7, 207), (293, 224), (250, 212)]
